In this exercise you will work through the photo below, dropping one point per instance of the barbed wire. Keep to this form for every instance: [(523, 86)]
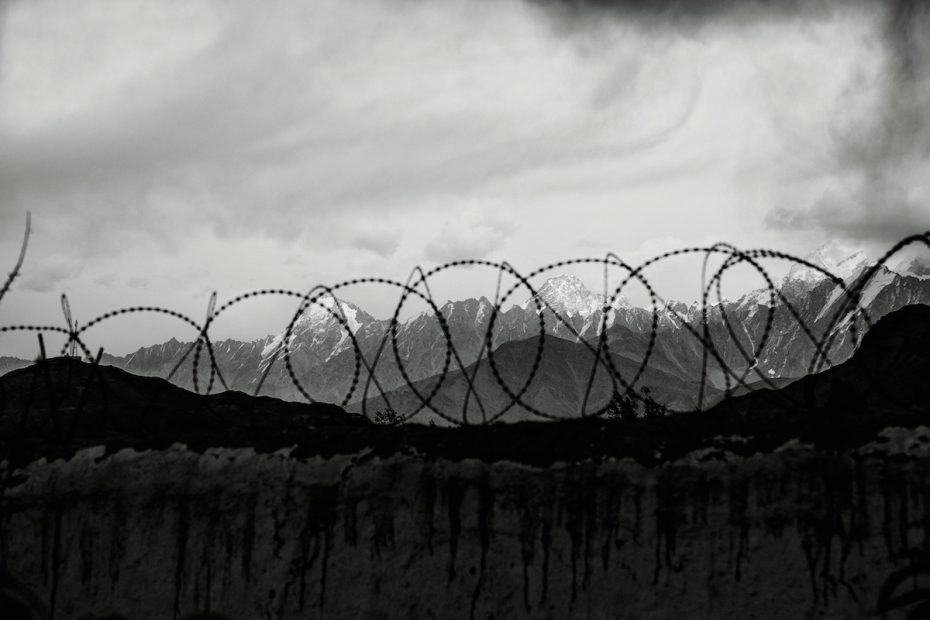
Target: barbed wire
[(744, 374)]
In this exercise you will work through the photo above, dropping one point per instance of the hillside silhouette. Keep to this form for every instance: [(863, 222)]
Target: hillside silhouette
[(58, 406)]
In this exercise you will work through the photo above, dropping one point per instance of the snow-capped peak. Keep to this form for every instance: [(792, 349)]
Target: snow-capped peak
[(910, 265), (757, 297), (840, 260), (919, 267), (325, 314), (567, 294), (327, 308)]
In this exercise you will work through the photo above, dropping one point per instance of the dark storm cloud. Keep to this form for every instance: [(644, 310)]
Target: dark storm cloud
[(878, 156), (903, 131), (882, 156), (689, 12), (881, 212)]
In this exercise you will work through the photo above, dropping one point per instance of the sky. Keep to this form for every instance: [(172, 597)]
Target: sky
[(168, 150)]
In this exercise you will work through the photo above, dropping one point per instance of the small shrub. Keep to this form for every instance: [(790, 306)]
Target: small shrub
[(652, 408), (621, 407), (388, 417)]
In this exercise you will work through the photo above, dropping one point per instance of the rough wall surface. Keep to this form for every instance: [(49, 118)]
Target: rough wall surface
[(154, 535)]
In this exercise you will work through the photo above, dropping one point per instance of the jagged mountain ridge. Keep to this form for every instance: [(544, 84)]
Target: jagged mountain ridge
[(56, 407), (323, 355)]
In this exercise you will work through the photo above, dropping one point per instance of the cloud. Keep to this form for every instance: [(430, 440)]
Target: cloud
[(882, 210), (876, 181), (202, 144), (692, 18), (159, 120), (471, 234), (382, 240), (107, 279), (50, 274)]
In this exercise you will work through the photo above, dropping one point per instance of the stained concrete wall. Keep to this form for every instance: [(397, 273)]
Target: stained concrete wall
[(795, 534)]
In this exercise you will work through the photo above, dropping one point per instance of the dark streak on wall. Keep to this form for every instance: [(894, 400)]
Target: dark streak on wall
[(164, 534)]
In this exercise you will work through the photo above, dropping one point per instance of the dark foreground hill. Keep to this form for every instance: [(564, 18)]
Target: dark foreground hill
[(56, 407), (567, 380)]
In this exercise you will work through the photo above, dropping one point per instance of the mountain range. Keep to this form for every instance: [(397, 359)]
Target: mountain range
[(571, 379), (54, 409)]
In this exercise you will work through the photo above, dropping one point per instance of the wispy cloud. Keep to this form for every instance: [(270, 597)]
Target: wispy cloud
[(50, 273), (472, 233)]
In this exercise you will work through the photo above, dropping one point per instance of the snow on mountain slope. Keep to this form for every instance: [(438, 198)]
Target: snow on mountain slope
[(876, 284), (832, 256), (913, 266), (323, 356), (567, 295), (326, 322)]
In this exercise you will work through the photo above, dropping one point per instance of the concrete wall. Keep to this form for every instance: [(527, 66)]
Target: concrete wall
[(796, 534)]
